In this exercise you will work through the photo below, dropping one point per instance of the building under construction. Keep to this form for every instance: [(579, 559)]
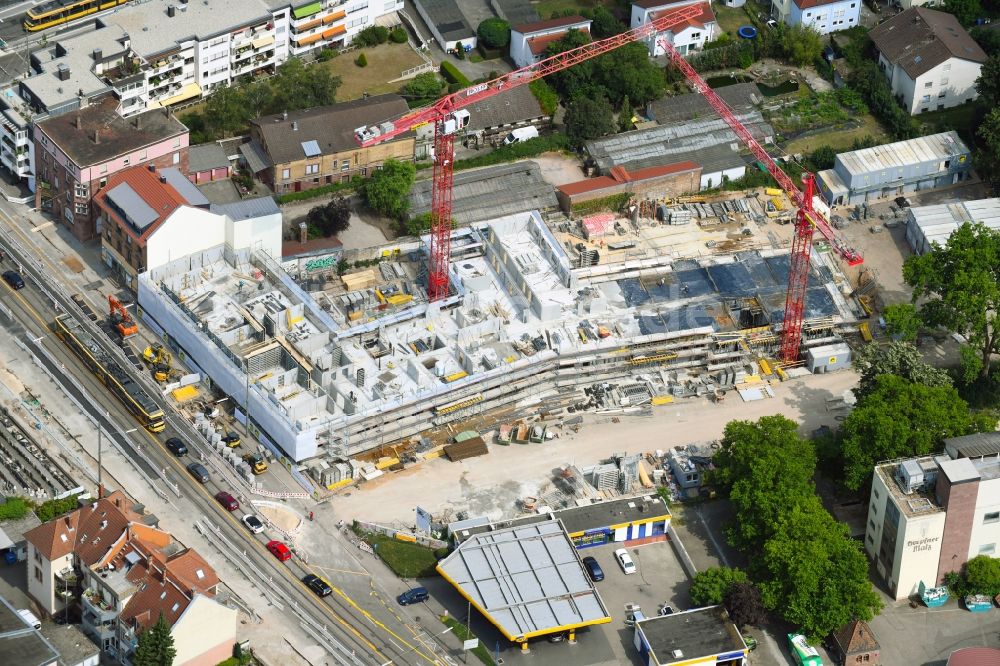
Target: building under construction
[(330, 366)]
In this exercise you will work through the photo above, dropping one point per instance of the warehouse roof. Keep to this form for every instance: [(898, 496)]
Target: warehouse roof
[(923, 149), (618, 511), (920, 39), (527, 580), (330, 127), (935, 224), (491, 192), (620, 175), (19, 643), (515, 12), (691, 635), (678, 108), (973, 446), (447, 18)]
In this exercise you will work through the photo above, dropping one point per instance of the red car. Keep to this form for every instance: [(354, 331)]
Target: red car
[(227, 500), (279, 550)]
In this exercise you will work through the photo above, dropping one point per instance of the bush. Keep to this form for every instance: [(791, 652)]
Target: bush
[(546, 96), (373, 35), (361, 61), (56, 507), (442, 552), (460, 50), (326, 54), (494, 33), (14, 508), (516, 151), (398, 35), (452, 75), (318, 191)]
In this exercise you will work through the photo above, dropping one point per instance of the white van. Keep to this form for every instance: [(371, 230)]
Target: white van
[(30, 618), (521, 134)]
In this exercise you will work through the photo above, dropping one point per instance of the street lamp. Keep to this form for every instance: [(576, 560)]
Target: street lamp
[(446, 631), (100, 447)]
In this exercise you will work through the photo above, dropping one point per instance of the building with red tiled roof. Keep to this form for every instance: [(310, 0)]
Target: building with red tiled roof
[(688, 35), (655, 182), (529, 41), (855, 643), (125, 572)]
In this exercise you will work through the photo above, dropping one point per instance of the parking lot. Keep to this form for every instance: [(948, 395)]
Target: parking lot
[(659, 578)]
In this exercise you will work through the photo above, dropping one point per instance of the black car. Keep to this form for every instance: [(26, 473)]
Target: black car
[(318, 585), (199, 472), (594, 569), (14, 279), (414, 596), (177, 447)]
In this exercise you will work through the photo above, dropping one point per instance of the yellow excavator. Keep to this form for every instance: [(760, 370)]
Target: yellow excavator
[(159, 358)]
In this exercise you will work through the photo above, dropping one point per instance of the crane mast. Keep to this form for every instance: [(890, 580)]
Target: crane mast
[(448, 115)]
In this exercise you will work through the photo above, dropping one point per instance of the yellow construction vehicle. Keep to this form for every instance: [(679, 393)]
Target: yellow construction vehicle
[(257, 463), (158, 357)]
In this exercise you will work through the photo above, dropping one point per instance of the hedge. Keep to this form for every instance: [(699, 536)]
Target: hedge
[(14, 508), (612, 202), (452, 75), (516, 151), (332, 188)]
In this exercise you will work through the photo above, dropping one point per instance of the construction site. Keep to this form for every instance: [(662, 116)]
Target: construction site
[(542, 315)]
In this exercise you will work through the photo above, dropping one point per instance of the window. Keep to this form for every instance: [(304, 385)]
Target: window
[(38, 556), (695, 35), (311, 169), (944, 81), (875, 492), (81, 190), (286, 174), (987, 549), (125, 161), (853, 5), (929, 84), (871, 540), (177, 143), (809, 14), (871, 523), (345, 165), (82, 209), (991, 518), (142, 155), (942, 94), (364, 171), (38, 574), (104, 181), (925, 99), (104, 168), (946, 68), (177, 158)]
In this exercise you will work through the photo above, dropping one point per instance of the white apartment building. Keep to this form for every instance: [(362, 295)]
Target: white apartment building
[(928, 516), (823, 16), (687, 36), (17, 150), (930, 61)]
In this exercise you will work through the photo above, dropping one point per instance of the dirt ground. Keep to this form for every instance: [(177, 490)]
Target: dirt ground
[(559, 169), (492, 484), (366, 229)]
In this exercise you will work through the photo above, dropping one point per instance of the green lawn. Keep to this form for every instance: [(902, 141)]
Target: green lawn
[(546, 8), (839, 139), (730, 18), (462, 633), (960, 118), (407, 560)]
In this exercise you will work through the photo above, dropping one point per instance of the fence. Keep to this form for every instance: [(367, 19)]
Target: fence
[(408, 536)]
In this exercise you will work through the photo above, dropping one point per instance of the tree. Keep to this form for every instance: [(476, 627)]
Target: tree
[(494, 33), (801, 44), (988, 155), (604, 24), (460, 50), (330, 218), (966, 11), (900, 418), (896, 358), (588, 118), (744, 603), (628, 72), (398, 35), (766, 468), (960, 287), (982, 575), (156, 646), (625, 115), (422, 88), (258, 97), (987, 38), (814, 574), (361, 61), (988, 83), (387, 189), (296, 86), (373, 35), (418, 224), (902, 321), (710, 586), (226, 110)]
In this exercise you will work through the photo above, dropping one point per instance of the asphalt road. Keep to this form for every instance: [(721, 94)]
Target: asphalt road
[(345, 622)]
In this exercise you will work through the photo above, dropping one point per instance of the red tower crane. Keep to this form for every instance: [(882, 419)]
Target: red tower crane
[(448, 115)]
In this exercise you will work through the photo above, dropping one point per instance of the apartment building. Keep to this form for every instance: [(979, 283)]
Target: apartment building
[(687, 36), (77, 152), (305, 149), (17, 151), (928, 516), (125, 572), (824, 16), (929, 59)]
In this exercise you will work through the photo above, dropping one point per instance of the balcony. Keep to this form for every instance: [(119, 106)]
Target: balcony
[(99, 610), (68, 575)]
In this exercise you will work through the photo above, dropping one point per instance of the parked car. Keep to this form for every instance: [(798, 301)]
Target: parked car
[(177, 447), (557, 638), (253, 523), (413, 596), (625, 560), (14, 279), (317, 585), (279, 550), (594, 569), (231, 439), (227, 500), (198, 471)]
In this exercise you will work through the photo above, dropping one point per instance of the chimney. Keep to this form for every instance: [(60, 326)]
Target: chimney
[(97, 135), (152, 167), (98, 54), (163, 179), (138, 121), (303, 232), (62, 73), (171, 11), (69, 523), (295, 126)]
